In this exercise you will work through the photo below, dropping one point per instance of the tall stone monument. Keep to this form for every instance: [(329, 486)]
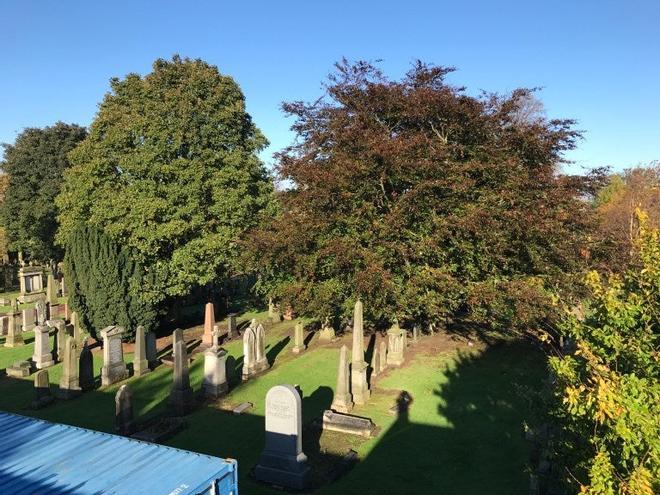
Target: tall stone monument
[(359, 386), (114, 368), (140, 362), (181, 395), (69, 382), (298, 339), (249, 355), (396, 345), (14, 335), (215, 369), (261, 361), (42, 355), (209, 322), (124, 410), (282, 461), (343, 401)]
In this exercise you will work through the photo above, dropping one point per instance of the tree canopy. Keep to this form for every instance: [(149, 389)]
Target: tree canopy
[(422, 200), (35, 164), (170, 171)]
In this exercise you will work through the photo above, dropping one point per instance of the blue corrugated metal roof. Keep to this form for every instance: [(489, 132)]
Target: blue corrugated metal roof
[(41, 457)]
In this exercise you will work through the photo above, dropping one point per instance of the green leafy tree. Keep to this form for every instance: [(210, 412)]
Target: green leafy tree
[(170, 171), (608, 390), (106, 283), (35, 164), (424, 201)]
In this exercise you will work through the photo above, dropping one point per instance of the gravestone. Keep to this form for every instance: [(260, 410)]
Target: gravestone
[(20, 369), (327, 333), (359, 386), (76, 329), (51, 290), (181, 395), (41, 312), (343, 402), (282, 461), (114, 368), (124, 410), (344, 423), (152, 351), (274, 312), (14, 335), (249, 342), (29, 319), (4, 324), (242, 407), (396, 345), (383, 356), (42, 397), (298, 339), (70, 381), (215, 369), (375, 362), (86, 369), (261, 361), (140, 362), (209, 322), (42, 355), (58, 338), (232, 328)]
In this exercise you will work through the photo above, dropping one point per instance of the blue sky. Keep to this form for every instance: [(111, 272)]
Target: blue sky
[(598, 61)]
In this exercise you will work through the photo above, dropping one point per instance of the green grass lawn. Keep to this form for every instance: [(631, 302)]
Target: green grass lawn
[(461, 435)]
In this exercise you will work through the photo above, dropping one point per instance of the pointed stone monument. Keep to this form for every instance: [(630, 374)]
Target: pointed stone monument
[(181, 396), (298, 339), (124, 410), (69, 382), (282, 462), (359, 386), (51, 290), (249, 342), (42, 355), (86, 369), (140, 362), (343, 401), (261, 361), (209, 322), (215, 369)]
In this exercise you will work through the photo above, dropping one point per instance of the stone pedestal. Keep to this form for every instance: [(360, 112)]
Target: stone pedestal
[(114, 368), (282, 461), (14, 335), (42, 356), (215, 372), (359, 386)]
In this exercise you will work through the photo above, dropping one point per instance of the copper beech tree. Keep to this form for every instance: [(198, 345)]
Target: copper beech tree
[(424, 201)]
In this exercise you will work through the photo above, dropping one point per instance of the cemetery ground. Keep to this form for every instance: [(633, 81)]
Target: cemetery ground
[(461, 434)]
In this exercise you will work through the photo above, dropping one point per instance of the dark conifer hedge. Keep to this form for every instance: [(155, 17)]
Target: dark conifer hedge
[(106, 285)]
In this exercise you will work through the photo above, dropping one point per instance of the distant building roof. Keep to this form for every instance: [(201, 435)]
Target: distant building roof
[(41, 457)]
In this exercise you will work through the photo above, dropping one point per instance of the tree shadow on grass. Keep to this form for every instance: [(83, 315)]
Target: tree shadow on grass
[(474, 445)]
